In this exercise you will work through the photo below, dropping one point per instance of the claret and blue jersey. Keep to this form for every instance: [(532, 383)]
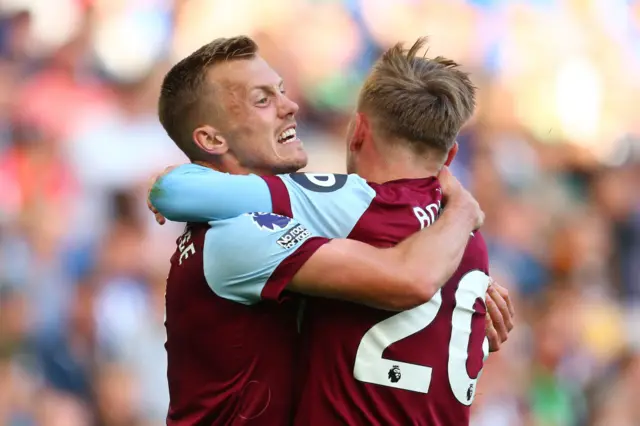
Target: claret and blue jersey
[(359, 366)]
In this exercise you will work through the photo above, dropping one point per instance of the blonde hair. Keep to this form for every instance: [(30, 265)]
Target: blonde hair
[(416, 99)]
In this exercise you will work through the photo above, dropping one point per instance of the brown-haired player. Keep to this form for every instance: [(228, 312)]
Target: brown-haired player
[(231, 349), (225, 105)]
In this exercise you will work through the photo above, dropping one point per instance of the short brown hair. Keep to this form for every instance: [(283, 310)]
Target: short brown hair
[(423, 101), (179, 105)]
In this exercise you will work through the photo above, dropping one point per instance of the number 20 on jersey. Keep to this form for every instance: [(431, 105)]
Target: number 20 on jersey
[(371, 367)]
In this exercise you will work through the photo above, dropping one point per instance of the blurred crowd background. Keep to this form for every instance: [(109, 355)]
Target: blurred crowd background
[(553, 155)]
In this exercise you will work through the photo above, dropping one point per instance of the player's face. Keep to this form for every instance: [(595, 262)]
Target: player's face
[(259, 125)]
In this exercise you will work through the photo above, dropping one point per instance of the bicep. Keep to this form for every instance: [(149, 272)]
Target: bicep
[(192, 193)]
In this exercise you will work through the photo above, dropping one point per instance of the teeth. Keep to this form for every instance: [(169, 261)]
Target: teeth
[(287, 134)]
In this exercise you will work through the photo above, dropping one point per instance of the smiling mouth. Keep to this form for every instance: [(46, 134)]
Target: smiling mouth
[(287, 136)]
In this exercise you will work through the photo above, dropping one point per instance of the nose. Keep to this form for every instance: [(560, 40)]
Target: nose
[(288, 108)]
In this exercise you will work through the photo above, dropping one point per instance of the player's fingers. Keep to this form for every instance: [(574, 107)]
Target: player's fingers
[(496, 297), (500, 296), (160, 219), (497, 319), (480, 219), (505, 295), (493, 314), (445, 174), (152, 181), (446, 180), (167, 170), (154, 178), (492, 336), (151, 207), (451, 187)]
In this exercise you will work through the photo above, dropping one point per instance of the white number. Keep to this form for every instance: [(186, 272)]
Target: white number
[(164, 320), (327, 182), (370, 367), (164, 317), (319, 182), (472, 286)]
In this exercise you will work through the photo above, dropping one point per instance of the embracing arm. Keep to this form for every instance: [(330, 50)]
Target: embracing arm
[(193, 193), (397, 278), (260, 255)]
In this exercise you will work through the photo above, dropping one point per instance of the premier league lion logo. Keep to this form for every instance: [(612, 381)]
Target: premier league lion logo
[(470, 392), (269, 221), (394, 374)]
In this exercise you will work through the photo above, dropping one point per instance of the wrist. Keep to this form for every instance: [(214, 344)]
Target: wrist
[(464, 214)]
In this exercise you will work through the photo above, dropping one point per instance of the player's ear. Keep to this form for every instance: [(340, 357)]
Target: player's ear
[(451, 154), (360, 127), (210, 140)]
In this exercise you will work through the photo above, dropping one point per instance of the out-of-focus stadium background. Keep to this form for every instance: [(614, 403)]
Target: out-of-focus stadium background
[(553, 155)]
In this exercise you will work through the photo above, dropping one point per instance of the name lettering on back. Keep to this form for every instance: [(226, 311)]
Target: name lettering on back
[(186, 247), (427, 215)]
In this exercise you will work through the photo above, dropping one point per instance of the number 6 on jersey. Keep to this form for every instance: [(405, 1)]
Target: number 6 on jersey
[(371, 367)]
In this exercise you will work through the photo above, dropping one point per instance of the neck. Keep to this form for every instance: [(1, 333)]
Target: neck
[(400, 164)]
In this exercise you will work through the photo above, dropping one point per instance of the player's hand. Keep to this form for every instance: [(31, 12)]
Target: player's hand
[(499, 321), (455, 196), (159, 218)]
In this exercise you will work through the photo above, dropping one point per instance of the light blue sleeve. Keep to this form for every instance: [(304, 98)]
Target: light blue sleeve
[(329, 205), (193, 193), (242, 256)]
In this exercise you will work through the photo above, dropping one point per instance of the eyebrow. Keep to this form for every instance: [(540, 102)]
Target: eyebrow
[(269, 87)]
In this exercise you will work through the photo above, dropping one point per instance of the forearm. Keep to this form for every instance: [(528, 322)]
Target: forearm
[(356, 272), (396, 278), (436, 252), (192, 193)]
